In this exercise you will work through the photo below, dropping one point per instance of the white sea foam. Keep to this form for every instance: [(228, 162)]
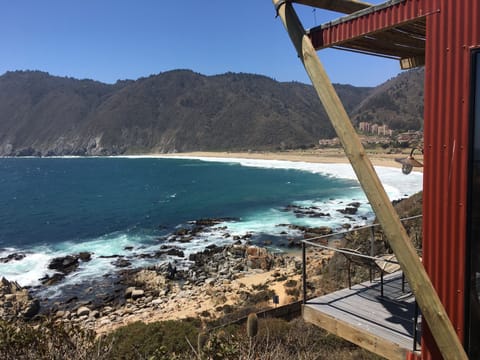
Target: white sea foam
[(28, 270), (395, 183)]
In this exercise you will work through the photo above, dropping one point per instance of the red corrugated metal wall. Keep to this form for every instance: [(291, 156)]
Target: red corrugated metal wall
[(452, 29)]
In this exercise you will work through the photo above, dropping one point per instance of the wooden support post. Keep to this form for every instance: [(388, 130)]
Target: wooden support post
[(304, 272), (427, 298)]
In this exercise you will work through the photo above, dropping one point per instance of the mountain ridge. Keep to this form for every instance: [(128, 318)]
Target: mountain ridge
[(178, 110)]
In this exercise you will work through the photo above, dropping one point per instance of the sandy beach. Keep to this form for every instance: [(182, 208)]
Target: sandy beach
[(323, 156)]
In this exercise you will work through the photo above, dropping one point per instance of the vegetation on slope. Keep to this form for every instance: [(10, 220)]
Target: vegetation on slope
[(181, 110), (276, 339)]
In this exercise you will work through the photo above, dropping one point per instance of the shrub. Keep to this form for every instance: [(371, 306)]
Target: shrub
[(140, 340), (49, 340)]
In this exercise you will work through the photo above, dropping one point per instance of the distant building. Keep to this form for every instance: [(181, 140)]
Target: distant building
[(329, 142), (364, 126), (375, 129), (410, 136)]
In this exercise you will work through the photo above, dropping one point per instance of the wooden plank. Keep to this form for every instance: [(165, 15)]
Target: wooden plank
[(412, 62), (401, 37), (363, 306), (403, 40), (366, 340), (341, 6), (411, 30), (375, 45), (432, 308)]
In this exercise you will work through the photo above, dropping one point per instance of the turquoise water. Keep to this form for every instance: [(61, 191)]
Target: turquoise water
[(57, 206)]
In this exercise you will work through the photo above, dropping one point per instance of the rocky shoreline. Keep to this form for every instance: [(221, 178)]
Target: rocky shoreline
[(218, 281), (221, 280)]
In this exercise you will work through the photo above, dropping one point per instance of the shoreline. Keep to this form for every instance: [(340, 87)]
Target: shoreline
[(321, 156), (318, 156)]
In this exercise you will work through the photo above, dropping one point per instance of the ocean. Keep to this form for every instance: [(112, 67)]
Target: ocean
[(129, 207)]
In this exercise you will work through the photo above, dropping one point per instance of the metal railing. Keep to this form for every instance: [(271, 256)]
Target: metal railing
[(311, 242)]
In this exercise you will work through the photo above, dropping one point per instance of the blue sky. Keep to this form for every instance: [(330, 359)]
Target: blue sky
[(108, 40)]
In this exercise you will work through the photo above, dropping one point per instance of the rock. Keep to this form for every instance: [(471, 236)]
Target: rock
[(322, 230), (175, 252), (9, 287), (171, 271), (85, 256), (82, 311), (210, 281), (105, 322), (51, 280), (349, 210), (157, 301), (294, 242), (32, 310), (256, 251), (10, 297), (64, 264), (12, 257), (71, 300), (212, 222), (128, 292), (181, 232), (237, 251), (121, 262), (137, 293), (258, 258)]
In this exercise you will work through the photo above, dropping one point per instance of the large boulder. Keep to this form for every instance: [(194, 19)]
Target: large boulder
[(82, 311), (16, 301), (32, 309), (64, 264), (137, 293), (12, 257), (258, 258)]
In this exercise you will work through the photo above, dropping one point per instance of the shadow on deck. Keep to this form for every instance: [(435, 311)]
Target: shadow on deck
[(384, 325)]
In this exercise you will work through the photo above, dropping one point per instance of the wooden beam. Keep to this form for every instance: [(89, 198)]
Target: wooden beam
[(343, 329), (412, 62), (428, 300), (341, 6)]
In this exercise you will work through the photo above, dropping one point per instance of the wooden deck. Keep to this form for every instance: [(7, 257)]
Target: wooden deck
[(383, 325)]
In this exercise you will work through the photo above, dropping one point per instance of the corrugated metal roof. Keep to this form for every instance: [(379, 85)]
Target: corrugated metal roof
[(395, 29)]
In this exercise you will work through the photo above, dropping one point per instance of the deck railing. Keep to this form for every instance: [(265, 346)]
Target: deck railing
[(314, 242)]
